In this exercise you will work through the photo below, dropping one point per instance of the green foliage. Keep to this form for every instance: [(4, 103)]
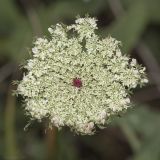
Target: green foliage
[(142, 128)]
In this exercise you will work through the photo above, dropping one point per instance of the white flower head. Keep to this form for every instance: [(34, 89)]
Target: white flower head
[(77, 79)]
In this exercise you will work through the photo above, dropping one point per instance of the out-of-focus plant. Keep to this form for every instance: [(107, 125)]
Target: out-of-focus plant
[(141, 128)]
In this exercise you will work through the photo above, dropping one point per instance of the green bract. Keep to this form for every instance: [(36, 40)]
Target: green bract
[(77, 79)]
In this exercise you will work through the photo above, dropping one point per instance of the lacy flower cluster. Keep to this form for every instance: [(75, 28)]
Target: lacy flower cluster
[(77, 79)]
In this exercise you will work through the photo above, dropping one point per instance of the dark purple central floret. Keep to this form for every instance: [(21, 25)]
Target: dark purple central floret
[(77, 82)]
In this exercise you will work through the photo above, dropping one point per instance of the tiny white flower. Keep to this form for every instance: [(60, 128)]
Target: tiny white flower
[(127, 100), (145, 80), (50, 30), (118, 54), (35, 50), (133, 62)]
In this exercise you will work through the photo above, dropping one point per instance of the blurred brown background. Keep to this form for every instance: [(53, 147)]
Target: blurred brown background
[(136, 136)]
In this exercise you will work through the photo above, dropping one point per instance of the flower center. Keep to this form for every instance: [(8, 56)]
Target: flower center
[(77, 82)]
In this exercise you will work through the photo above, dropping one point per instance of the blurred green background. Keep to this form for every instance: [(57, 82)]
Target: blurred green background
[(136, 136)]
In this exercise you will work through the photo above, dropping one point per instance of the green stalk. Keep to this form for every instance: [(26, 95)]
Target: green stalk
[(11, 151)]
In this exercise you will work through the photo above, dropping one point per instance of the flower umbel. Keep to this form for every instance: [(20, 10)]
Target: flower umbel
[(77, 79)]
